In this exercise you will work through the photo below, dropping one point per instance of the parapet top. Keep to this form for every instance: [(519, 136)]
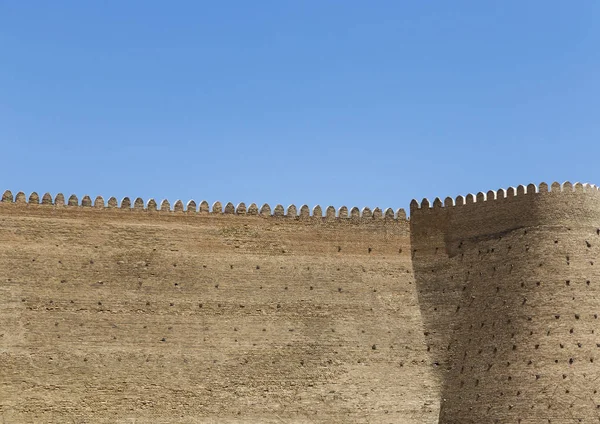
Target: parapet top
[(501, 194), (203, 208)]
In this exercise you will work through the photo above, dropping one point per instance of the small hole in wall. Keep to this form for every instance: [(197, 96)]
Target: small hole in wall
[(339, 248), (587, 243), (370, 250)]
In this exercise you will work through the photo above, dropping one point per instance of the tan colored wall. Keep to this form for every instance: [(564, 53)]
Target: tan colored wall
[(510, 293), (111, 315), (137, 313)]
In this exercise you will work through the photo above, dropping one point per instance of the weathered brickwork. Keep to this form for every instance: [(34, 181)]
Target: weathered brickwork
[(510, 295), (482, 309), (120, 315)]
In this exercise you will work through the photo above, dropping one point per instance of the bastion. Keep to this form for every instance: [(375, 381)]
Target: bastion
[(479, 309)]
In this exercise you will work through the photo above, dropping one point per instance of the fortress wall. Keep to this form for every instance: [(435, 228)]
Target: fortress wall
[(509, 290), (139, 311)]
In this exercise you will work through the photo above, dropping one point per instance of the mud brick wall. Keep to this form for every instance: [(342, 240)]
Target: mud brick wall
[(509, 288), (139, 312)]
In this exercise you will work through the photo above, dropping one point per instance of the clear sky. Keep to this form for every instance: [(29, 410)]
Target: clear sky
[(321, 102)]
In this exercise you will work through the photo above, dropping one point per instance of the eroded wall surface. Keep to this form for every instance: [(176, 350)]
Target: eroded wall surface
[(111, 315), (510, 294)]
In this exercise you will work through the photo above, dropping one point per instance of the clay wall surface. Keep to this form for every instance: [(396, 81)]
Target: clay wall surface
[(509, 289), (139, 312)]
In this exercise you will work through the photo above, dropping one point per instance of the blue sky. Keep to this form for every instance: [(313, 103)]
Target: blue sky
[(320, 102)]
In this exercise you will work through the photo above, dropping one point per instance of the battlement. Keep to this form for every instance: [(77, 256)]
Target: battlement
[(203, 208), (502, 195), (466, 312)]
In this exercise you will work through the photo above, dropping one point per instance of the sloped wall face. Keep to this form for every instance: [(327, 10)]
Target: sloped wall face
[(510, 294), (112, 315)]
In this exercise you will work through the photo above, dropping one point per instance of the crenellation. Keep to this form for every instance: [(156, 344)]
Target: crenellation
[(229, 209), (113, 203), (217, 208), (138, 204), (178, 206), (343, 212), (241, 209), (292, 212), (126, 203), (330, 212), (265, 210), (366, 213), (34, 198), (20, 198), (521, 191), (204, 207), (152, 206), (278, 211), (253, 209), (47, 199), (377, 213), (304, 211), (7, 197), (317, 212), (99, 202)]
